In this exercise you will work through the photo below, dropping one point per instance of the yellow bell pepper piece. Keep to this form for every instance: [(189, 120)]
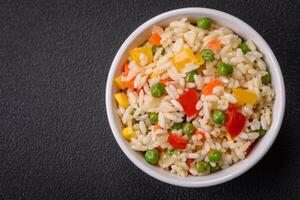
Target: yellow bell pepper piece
[(183, 57), (199, 59), (122, 99), (128, 133), (120, 84), (137, 52), (245, 96)]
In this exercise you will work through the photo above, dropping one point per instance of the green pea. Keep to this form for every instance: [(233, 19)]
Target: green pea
[(214, 156), (244, 47), (207, 55), (203, 167), (261, 132), (188, 128), (170, 152), (266, 79), (218, 116), (224, 69), (157, 90), (190, 75), (152, 156), (153, 117), (204, 23), (154, 49), (177, 126)]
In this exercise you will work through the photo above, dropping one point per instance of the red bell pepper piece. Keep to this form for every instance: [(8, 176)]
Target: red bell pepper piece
[(176, 141), (188, 101), (189, 161), (233, 107), (235, 123)]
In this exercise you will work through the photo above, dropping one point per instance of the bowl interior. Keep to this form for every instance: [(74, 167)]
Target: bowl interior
[(243, 30)]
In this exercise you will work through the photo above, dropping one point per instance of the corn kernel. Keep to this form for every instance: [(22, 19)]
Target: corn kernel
[(120, 84), (122, 99), (128, 133)]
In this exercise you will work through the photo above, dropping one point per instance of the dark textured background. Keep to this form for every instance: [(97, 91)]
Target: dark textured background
[(55, 140)]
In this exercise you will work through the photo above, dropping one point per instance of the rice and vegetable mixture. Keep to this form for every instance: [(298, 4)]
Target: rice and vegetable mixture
[(194, 98)]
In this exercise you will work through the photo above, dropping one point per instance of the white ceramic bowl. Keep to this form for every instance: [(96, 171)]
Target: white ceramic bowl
[(242, 29)]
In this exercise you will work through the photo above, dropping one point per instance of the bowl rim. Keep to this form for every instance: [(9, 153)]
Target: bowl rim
[(125, 147)]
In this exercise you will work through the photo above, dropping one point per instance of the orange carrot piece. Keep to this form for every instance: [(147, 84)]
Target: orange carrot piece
[(138, 90), (208, 88), (156, 127), (214, 45), (129, 84), (126, 69), (166, 80), (155, 39), (200, 133)]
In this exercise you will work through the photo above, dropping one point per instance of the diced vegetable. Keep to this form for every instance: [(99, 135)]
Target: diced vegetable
[(208, 55), (183, 57), (130, 83), (138, 90), (204, 23), (154, 49), (157, 90), (122, 99), (189, 161), (203, 167), (199, 59), (218, 116), (188, 101), (155, 39), (153, 117), (188, 128), (214, 156), (245, 96), (190, 75), (198, 132), (266, 79), (152, 156), (235, 123), (233, 107), (208, 88), (165, 81), (128, 133), (120, 84), (177, 126), (224, 69), (126, 69), (214, 45), (177, 141), (156, 127), (244, 47), (137, 52)]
